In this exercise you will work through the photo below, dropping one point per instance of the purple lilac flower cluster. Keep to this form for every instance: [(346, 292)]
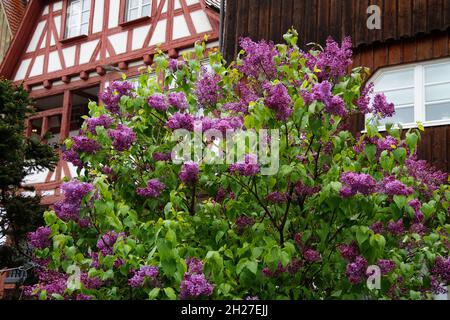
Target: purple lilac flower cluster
[(40, 238), (426, 174), (84, 144), (396, 227), (50, 281), (349, 251), (416, 205), (277, 197), (144, 273), (178, 100), (194, 283), (69, 207), (356, 270), (377, 227), (159, 156), (152, 190), (381, 107), (334, 60), (102, 121), (354, 183), (189, 172), (175, 64), (278, 100), (158, 101), (181, 121), (388, 143), (301, 189), (258, 59), (392, 187), (311, 255), (441, 273), (72, 156), (249, 167), (106, 242), (243, 222), (322, 92), (112, 95), (208, 90), (386, 266), (122, 137)]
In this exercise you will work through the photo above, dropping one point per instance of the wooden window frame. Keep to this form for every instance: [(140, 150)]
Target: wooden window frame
[(419, 92), (64, 39), (141, 20)]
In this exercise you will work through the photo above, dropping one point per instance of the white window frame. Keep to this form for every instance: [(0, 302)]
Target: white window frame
[(70, 23), (140, 7), (419, 92)]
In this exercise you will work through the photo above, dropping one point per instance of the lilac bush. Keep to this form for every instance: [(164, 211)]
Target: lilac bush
[(142, 224)]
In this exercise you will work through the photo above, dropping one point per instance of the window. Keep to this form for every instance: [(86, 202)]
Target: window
[(78, 14), (420, 92), (137, 9)]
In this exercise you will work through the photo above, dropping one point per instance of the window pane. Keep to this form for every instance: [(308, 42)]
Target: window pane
[(396, 79), (437, 92), (84, 28), (85, 17), (144, 2), (400, 97), (86, 5), (133, 14), (439, 111), (437, 73), (145, 10), (402, 115)]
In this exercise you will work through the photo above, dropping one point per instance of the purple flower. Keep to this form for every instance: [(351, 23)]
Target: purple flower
[(251, 298), (122, 137), (178, 100), (416, 205), (69, 207), (144, 272), (72, 156), (349, 252), (194, 286), (356, 271), (40, 238), (208, 90), (363, 102), (181, 121), (238, 107), (194, 266), (189, 172), (418, 228), (354, 183), (377, 227), (396, 228), (381, 107), (159, 156), (112, 95), (152, 190), (258, 59), (248, 167), (243, 222), (102, 121), (106, 242), (441, 269), (84, 144), (175, 64), (158, 102), (90, 283), (427, 175), (392, 186), (311, 255), (386, 266), (334, 60), (277, 197), (304, 190), (389, 143), (278, 100), (322, 92)]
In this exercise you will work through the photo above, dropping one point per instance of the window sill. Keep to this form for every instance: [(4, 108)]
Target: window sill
[(73, 39), (435, 123), (138, 21)]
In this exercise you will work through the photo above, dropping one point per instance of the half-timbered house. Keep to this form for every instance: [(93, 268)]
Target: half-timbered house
[(67, 51)]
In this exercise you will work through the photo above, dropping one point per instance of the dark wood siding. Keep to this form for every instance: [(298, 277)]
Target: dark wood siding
[(315, 20)]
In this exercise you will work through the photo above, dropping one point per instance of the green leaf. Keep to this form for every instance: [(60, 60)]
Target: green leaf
[(153, 294), (252, 266), (411, 141), (400, 201), (362, 234), (170, 293), (371, 151)]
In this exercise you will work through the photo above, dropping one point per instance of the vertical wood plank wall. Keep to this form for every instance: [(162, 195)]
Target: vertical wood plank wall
[(412, 31)]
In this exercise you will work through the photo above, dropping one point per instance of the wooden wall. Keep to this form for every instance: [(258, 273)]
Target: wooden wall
[(315, 20)]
